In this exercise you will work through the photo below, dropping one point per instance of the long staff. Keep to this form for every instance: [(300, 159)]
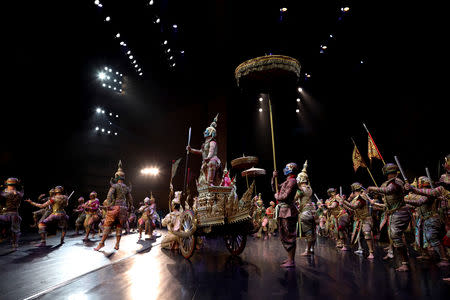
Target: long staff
[(273, 144)]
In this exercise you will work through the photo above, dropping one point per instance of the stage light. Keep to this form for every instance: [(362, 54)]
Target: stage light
[(120, 74), (129, 52), (120, 82), (117, 73), (324, 47), (96, 128), (101, 75), (103, 111), (283, 9), (96, 2), (110, 123), (139, 69), (362, 61), (165, 42), (140, 74), (261, 99), (110, 114), (110, 70), (99, 110), (331, 36), (108, 19), (298, 99), (151, 2), (173, 65), (114, 88), (168, 50), (297, 110), (345, 9), (100, 5), (115, 133), (136, 66), (109, 86), (107, 77), (158, 20), (175, 26), (307, 75), (115, 80), (300, 89), (120, 90), (150, 171), (131, 56), (103, 130), (106, 68), (121, 43), (171, 57), (104, 84), (117, 116), (182, 51), (118, 35), (134, 61), (109, 131), (260, 110)]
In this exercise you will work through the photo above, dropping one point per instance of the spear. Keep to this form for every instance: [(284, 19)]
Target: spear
[(429, 176), (187, 160)]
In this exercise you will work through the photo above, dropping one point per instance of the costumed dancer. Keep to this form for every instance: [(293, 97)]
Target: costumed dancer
[(338, 218), (433, 223), (307, 210), (209, 172), (358, 203), (91, 210), (145, 222), (321, 213), (81, 215), (117, 202), (287, 212), (397, 214), (9, 216), (42, 213), (132, 219), (258, 215), (59, 202), (269, 223), (172, 222)]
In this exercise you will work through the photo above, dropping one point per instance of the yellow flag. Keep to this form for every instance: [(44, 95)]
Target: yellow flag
[(357, 159), (372, 150)]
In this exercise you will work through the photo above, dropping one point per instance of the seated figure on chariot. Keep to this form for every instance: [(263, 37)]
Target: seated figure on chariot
[(258, 215), (210, 169), (9, 216), (226, 180), (172, 222), (269, 224)]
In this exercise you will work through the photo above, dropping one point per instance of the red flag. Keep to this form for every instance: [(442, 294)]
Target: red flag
[(357, 159)]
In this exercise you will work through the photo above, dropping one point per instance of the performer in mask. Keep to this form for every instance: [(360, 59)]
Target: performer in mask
[(9, 216), (91, 210)]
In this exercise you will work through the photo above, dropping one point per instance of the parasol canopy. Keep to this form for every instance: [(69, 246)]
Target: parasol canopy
[(264, 73), (244, 162), (253, 172)]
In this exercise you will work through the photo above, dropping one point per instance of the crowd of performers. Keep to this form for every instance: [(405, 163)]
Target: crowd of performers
[(117, 211), (403, 209), (398, 206)]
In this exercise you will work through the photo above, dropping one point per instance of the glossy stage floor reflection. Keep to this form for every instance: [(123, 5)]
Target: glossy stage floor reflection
[(152, 273)]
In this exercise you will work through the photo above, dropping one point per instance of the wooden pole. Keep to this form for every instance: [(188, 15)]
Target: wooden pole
[(273, 143)]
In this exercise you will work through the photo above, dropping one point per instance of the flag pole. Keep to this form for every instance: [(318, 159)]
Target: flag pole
[(367, 168), (373, 142), (273, 143)]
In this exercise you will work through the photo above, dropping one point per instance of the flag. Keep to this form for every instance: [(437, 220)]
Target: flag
[(175, 167), (372, 150), (357, 159)]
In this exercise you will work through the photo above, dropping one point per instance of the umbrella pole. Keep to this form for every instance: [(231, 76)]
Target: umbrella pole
[(273, 142)]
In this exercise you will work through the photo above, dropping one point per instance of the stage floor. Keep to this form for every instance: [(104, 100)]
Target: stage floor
[(144, 271)]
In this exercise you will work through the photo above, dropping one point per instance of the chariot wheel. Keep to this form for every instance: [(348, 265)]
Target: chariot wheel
[(187, 224), (235, 242)]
